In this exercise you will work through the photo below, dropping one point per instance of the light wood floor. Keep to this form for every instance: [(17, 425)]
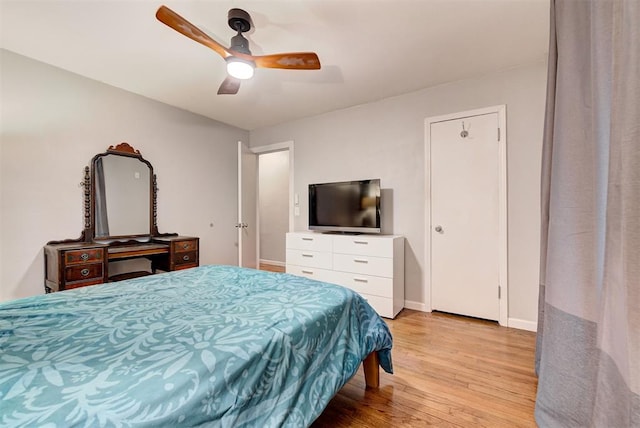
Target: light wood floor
[(271, 268), (449, 371)]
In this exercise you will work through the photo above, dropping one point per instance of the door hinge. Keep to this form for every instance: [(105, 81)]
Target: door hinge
[(499, 292), (498, 134)]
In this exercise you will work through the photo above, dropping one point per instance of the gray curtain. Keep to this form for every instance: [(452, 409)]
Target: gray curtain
[(588, 350), (102, 221)]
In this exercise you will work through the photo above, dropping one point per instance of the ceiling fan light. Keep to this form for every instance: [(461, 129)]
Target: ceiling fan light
[(239, 68)]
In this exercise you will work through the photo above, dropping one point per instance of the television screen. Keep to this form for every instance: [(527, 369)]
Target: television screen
[(348, 206)]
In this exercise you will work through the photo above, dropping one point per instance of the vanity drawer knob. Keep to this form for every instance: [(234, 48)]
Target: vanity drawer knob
[(185, 258), (84, 272), (84, 256), (185, 245)]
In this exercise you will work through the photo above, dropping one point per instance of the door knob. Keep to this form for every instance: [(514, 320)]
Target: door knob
[(438, 229)]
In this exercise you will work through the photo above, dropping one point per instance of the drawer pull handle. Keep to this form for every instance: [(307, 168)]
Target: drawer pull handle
[(84, 272), (308, 272), (307, 255), (360, 280), (185, 245), (361, 242), (361, 261), (185, 258), (84, 256), (307, 239)]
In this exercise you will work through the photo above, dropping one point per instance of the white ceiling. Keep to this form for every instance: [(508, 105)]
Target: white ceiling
[(368, 49)]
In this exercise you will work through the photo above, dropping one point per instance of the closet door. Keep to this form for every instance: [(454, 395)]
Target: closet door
[(465, 244)]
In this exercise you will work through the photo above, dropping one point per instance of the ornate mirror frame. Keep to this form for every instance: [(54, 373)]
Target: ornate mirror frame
[(89, 233)]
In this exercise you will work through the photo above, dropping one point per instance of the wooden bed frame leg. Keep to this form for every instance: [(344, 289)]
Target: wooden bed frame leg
[(371, 370)]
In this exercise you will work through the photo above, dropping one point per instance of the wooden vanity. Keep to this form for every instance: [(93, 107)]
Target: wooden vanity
[(120, 224)]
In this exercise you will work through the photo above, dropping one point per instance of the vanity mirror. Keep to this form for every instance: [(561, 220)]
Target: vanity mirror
[(123, 195), (120, 213), (122, 189)]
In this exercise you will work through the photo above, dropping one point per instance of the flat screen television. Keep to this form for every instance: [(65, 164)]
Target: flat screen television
[(346, 206)]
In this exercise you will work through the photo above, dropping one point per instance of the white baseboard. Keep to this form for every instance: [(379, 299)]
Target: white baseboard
[(272, 262), (513, 322), (416, 306), (522, 324)]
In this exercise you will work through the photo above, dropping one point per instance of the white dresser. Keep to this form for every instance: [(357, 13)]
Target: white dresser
[(372, 265)]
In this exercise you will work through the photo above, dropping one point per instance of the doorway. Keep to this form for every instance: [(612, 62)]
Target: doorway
[(268, 203), (465, 228), (273, 207)]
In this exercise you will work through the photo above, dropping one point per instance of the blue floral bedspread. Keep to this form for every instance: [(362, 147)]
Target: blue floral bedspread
[(214, 345)]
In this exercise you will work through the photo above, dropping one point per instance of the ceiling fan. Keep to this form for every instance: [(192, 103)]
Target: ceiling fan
[(240, 63)]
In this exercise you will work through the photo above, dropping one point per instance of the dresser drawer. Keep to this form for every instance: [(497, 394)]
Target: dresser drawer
[(309, 258), (365, 284), (363, 245), (367, 265), (382, 305), (87, 272), (309, 241), (318, 274), (84, 256), (186, 245), (182, 258)]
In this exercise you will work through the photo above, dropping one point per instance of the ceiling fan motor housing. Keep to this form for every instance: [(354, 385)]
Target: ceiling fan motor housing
[(239, 20)]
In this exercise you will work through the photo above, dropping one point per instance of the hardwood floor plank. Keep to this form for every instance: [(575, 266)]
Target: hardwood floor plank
[(450, 371), (271, 268)]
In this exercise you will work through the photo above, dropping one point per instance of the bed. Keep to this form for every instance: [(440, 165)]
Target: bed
[(213, 345)]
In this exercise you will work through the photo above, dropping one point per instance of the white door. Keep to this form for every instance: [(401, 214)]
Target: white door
[(465, 227), (247, 206)]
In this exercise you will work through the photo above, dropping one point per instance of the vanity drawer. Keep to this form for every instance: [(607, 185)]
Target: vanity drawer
[(183, 258), (84, 256), (83, 272), (79, 284), (183, 253), (186, 245)]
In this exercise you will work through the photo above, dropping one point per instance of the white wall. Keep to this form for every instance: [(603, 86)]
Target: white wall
[(54, 122), (385, 139), (273, 204)]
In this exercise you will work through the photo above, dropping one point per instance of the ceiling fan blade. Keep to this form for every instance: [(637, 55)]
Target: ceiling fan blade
[(229, 86), (292, 61), (181, 25)]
